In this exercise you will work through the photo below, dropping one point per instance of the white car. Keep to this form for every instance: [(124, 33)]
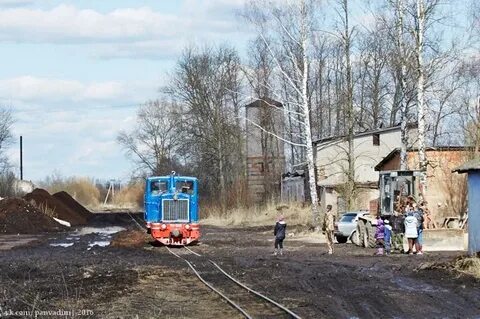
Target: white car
[(346, 227)]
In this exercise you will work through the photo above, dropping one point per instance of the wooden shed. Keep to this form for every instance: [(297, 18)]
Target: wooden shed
[(472, 168)]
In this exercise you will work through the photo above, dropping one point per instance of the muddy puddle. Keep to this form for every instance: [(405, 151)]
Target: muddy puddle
[(92, 237)]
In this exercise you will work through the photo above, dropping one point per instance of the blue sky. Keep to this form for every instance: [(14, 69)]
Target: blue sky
[(74, 72)]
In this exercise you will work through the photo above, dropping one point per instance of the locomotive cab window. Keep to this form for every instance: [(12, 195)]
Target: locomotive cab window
[(158, 187), (185, 187)]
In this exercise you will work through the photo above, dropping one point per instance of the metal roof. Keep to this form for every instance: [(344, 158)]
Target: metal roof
[(472, 165)]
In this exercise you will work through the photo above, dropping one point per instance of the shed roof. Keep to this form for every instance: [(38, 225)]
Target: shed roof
[(396, 151), (364, 133), (266, 101), (472, 165)]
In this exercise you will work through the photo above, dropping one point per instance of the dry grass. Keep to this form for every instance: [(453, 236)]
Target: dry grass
[(81, 188), (294, 213), (468, 265), (46, 210), (130, 196)]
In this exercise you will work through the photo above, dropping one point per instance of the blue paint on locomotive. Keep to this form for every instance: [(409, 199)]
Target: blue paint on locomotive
[(173, 187)]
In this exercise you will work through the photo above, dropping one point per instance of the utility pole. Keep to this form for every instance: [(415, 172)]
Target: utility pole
[(21, 158)]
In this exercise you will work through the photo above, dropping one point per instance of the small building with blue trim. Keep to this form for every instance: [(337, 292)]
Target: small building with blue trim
[(472, 168)]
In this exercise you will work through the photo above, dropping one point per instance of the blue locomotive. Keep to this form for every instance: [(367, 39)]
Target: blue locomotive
[(171, 209)]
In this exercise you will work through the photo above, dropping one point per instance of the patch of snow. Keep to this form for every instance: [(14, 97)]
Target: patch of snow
[(62, 245), (98, 243), (96, 230), (63, 222)]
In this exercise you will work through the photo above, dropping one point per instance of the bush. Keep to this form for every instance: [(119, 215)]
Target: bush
[(7, 184)]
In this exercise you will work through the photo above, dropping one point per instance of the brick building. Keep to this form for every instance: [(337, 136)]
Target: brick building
[(446, 191)]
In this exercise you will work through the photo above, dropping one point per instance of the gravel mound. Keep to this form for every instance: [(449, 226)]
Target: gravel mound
[(54, 207), (17, 216)]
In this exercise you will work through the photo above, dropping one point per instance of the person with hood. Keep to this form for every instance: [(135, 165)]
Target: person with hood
[(418, 213), (279, 233), (411, 230), (380, 236)]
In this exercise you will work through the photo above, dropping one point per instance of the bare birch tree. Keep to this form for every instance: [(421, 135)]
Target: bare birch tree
[(421, 107), (346, 37), (402, 56), (286, 30)]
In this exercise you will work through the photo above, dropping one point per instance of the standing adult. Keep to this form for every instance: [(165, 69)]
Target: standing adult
[(411, 230), (329, 227), (418, 213), (398, 229)]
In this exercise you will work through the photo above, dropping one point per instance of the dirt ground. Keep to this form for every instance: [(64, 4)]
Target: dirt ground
[(83, 276)]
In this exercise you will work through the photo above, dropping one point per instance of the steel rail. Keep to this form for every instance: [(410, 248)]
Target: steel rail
[(138, 224), (256, 293), (193, 252), (294, 315), (211, 287)]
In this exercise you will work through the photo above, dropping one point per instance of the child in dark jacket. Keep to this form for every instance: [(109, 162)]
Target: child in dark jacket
[(279, 232), (380, 236)]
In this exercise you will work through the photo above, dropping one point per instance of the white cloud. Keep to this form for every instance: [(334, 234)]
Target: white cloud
[(29, 88), (72, 142), (125, 32), (66, 23), (37, 89)]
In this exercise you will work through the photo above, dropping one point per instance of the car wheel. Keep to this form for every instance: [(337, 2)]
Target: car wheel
[(341, 239), (354, 238)]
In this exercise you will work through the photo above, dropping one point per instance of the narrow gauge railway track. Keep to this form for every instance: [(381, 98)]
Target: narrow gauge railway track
[(247, 301), (250, 303)]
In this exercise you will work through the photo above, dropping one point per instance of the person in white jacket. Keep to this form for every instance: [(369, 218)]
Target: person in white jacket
[(411, 230)]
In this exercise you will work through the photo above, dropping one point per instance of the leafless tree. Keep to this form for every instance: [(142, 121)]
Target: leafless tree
[(207, 83), (286, 30), (469, 103), (6, 136), (7, 177), (155, 141)]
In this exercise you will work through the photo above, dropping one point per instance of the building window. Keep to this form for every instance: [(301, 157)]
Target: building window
[(376, 139), (260, 167)]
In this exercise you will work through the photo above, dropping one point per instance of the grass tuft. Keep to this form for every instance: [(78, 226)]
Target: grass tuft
[(468, 265)]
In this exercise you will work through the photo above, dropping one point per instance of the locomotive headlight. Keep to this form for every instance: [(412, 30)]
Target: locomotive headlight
[(163, 226), (187, 226)]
